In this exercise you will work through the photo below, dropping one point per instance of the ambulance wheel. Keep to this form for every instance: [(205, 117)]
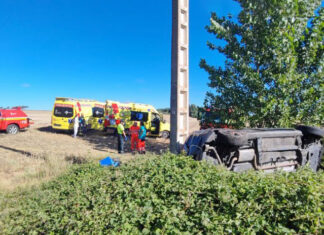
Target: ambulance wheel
[(165, 134), (12, 129)]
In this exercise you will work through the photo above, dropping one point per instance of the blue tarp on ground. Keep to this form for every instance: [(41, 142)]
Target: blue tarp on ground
[(108, 161)]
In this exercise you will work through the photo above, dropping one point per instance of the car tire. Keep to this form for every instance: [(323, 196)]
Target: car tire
[(165, 134), (231, 137), (310, 130), (12, 129)]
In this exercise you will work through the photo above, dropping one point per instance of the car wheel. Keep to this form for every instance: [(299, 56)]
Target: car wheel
[(165, 134), (12, 129), (310, 130)]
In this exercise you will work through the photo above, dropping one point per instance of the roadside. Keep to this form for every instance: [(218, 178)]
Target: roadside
[(38, 154), (167, 194)]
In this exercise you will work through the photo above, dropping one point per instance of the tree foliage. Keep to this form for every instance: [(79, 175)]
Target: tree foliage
[(193, 111), (164, 110), (273, 73)]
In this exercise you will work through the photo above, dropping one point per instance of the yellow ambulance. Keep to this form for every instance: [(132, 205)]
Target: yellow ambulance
[(65, 110), (131, 112), (97, 119)]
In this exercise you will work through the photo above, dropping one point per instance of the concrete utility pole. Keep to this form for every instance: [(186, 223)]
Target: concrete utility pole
[(179, 74)]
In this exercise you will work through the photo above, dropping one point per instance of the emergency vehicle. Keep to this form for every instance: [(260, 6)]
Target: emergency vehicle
[(96, 121), (131, 112), (13, 120), (66, 109)]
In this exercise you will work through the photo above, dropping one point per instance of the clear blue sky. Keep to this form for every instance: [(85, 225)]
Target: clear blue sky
[(99, 49)]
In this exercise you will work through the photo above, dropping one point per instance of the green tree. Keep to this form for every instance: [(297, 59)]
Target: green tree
[(273, 73), (164, 110), (193, 111)]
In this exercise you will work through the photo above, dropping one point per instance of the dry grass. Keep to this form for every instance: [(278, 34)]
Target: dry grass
[(37, 155), (33, 157), (29, 170)]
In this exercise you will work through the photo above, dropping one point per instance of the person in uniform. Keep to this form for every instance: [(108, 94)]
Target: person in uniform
[(142, 136), (76, 125), (134, 131), (121, 136)]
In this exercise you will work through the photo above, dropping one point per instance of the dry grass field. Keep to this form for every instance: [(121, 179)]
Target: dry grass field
[(39, 154)]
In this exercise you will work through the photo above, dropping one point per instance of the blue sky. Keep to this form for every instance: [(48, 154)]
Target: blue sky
[(98, 49)]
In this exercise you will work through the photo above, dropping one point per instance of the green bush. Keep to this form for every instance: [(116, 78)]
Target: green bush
[(169, 194)]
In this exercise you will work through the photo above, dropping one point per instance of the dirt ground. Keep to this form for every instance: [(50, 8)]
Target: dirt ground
[(38, 154)]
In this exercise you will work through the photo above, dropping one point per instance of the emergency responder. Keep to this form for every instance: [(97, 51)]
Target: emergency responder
[(76, 125), (121, 136), (107, 122), (142, 136), (83, 125), (134, 130)]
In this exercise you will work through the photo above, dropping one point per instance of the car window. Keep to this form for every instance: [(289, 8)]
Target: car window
[(63, 112), (155, 116), (98, 112), (139, 116)]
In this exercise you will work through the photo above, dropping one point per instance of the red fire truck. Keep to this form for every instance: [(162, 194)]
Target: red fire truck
[(13, 120)]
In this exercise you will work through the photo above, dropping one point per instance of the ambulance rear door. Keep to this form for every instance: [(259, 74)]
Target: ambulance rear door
[(62, 116)]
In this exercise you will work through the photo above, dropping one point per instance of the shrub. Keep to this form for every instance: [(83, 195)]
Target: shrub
[(170, 194)]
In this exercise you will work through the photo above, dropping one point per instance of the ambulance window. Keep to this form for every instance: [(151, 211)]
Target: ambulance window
[(98, 112), (139, 116), (63, 112), (0, 114), (155, 116)]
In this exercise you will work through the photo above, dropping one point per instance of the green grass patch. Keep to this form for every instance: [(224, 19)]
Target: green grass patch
[(169, 194)]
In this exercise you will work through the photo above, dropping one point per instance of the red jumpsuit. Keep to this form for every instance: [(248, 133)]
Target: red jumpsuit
[(134, 130)]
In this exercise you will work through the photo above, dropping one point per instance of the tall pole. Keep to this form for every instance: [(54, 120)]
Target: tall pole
[(179, 75)]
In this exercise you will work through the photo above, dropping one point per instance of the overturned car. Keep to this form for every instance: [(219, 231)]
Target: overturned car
[(258, 149)]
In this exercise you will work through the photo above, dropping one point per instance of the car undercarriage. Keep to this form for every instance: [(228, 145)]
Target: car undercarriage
[(267, 149)]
